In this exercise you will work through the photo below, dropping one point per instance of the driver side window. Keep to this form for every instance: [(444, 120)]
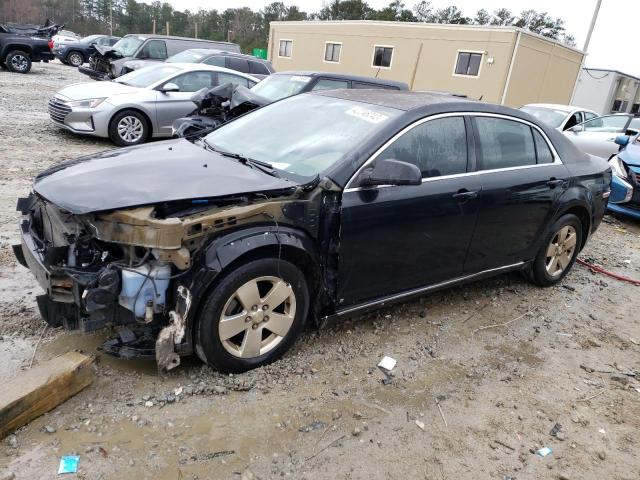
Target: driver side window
[(573, 121), (437, 147), (154, 50), (611, 123)]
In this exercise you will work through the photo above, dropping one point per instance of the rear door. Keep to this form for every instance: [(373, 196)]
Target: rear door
[(597, 136), (397, 238), (238, 64), (522, 179), (173, 105)]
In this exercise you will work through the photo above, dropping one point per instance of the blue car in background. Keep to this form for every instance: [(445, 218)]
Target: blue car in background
[(625, 183)]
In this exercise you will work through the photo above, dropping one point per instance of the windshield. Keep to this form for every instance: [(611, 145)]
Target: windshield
[(90, 38), (127, 46), (276, 87), (147, 76), (188, 56), (303, 135), (547, 115)]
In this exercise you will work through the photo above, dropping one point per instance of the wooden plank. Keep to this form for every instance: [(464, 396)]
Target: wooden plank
[(42, 388)]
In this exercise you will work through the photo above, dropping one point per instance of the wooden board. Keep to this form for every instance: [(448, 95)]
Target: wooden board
[(42, 388)]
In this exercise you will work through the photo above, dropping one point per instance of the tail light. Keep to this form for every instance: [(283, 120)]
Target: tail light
[(50, 45)]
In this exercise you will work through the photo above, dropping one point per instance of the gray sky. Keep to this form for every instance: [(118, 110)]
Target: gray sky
[(612, 44)]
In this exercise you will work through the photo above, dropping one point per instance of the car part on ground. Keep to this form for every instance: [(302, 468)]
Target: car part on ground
[(108, 61), (22, 45), (137, 106), (239, 237), (214, 107)]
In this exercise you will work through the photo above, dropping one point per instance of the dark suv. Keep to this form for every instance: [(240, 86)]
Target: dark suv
[(239, 62), (20, 45)]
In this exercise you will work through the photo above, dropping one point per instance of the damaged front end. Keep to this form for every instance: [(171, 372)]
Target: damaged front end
[(144, 268), (104, 64)]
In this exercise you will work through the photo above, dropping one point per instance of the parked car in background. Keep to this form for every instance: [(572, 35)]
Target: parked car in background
[(64, 38), (285, 84), (597, 136), (625, 183), (220, 105), (140, 104), (78, 53), (108, 62), (21, 45), (560, 117), (226, 246), (239, 62)]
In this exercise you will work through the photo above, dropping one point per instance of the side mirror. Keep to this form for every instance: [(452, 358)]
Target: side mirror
[(170, 87), (622, 140), (391, 172), (577, 128)]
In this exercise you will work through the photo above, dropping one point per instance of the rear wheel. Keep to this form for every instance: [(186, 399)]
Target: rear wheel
[(558, 253), (18, 61), (128, 128), (75, 59), (253, 315)]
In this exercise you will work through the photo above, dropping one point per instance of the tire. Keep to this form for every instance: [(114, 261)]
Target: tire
[(231, 349), (75, 58), (558, 252), (128, 127), (18, 61)]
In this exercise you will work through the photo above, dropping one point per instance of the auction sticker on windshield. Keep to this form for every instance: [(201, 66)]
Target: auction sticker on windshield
[(366, 115)]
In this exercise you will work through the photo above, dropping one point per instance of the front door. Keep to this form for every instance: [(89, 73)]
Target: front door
[(597, 136), (397, 238), (521, 182), (173, 105)]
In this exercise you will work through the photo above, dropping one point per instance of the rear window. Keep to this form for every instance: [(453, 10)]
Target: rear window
[(238, 64)]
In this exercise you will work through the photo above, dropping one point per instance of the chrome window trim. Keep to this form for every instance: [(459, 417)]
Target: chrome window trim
[(556, 157)]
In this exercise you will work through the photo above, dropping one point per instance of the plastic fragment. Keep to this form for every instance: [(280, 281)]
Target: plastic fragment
[(544, 451), (68, 464)]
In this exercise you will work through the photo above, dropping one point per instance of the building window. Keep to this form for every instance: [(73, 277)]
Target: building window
[(617, 106), (286, 46), (382, 56), (332, 52), (468, 63)]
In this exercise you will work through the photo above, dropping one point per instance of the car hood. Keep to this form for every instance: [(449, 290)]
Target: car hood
[(165, 171), (83, 91), (631, 154)]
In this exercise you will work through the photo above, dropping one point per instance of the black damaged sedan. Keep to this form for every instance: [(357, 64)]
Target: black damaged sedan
[(307, 210)]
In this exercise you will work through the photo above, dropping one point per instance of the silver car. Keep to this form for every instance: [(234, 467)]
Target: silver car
[(140, 104), (597, 136), (560, 117)]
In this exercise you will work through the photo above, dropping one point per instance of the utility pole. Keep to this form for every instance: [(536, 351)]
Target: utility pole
[(110, 18), (168, 29), (593, 24), (154, 26), (196, 28)]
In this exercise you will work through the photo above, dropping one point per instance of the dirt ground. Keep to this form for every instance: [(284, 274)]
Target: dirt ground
[(484, 371)]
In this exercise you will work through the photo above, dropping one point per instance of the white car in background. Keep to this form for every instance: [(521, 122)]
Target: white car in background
[(560, 117), (139, 105), (64, 38), (598, 135)]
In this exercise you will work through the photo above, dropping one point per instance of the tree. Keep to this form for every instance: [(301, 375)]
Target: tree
[(424, 12), (541, 23), (502, 16), (345, 10), (451, 15), (394, 12), (482, 17)]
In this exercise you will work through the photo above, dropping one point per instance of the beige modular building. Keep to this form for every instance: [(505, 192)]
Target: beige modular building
[(504, 65)]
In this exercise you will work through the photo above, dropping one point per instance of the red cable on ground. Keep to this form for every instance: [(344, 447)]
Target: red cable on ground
[(605, 272)]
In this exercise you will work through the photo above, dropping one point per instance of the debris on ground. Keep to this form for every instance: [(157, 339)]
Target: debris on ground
[(68, 464), (544, 451)]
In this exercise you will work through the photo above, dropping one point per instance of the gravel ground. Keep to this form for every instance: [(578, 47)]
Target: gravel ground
[(466, 401)]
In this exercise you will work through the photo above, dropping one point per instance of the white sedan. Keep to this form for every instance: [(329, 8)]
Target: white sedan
[(140, 104), (560, 117)]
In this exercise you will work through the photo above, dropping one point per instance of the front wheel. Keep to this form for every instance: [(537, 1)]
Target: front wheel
[(558, 252), (75, 59), (253, 315), (128, 128), (18, 61)]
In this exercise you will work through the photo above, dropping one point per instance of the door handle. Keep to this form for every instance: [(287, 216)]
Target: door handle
[(553, 183), (464, 195)]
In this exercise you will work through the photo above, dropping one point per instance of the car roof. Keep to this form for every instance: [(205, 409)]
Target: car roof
[(557, 106), (204, 66), (398, 99), (171, 37), (345, 76)]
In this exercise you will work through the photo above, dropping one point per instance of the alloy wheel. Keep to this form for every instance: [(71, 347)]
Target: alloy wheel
[(257, 317), (130, 129), (19, 63), (75, 59), (560, 250)]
